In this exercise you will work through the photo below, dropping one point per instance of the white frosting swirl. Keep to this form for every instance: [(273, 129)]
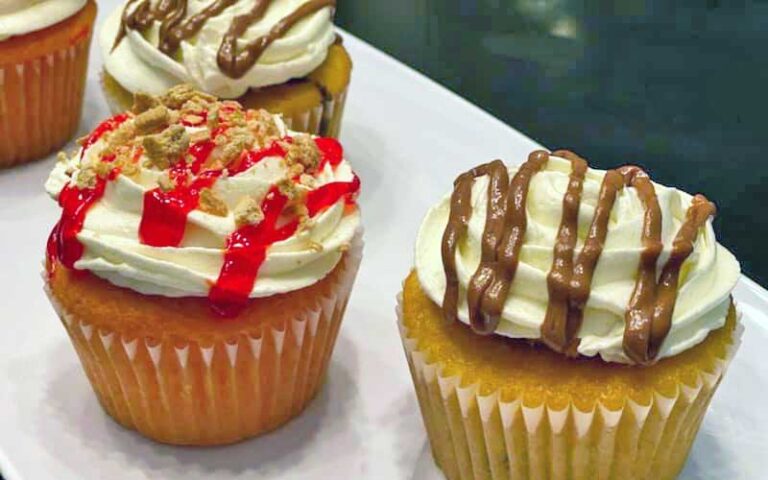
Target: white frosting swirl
[(18, 17), (113, 250), (707, 279), (138, 64)]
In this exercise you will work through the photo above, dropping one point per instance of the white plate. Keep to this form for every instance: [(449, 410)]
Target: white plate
[(408, 138)]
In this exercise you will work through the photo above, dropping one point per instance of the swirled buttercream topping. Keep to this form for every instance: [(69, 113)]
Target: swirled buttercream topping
[(224, 47), (18, 17), (187, 196), (586, 261)]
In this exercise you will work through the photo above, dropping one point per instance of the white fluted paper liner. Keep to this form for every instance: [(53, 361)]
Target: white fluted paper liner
[(308, 121), (185, 392), (476, 437), (41, 101)]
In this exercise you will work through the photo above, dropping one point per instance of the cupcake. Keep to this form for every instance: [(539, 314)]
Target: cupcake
[(565, 322), (282, 55), (202, 265), (43, 62)]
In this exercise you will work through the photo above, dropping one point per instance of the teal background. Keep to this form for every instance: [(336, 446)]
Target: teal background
[(677, 87)]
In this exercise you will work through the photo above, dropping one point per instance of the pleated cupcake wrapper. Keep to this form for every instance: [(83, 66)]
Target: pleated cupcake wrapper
[(187, 392), (323, 120), (40, 102), (308, 121), (478, 437)]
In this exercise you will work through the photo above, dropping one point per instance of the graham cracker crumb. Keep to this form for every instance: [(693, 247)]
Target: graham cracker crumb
[(308, 181), (125, 161), (177, 96), (303, 151), (238, 140), (143, 102), (166, 148), (62, 157), (295, 170), (194, 105), (103, 169), (213, 116), (288, 188), (248, 212), (86, 178), (119, 137), (152, 120), (212, 203), (263, 125)]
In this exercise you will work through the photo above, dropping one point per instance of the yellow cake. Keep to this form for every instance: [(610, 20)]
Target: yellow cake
[(514, 400)]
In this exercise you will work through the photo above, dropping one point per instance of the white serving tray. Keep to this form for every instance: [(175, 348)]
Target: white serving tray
[(408, 138)]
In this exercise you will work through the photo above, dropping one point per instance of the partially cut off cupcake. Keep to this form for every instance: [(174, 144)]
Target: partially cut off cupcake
[(202, 265), (564, 322), (280, 55), (44, 48)]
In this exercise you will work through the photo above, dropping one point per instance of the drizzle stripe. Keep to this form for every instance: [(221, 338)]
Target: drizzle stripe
[(554, 331), (490, 284), (235, 64)]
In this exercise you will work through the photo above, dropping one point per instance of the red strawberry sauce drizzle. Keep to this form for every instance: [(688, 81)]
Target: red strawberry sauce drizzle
[(164, 215), (104, 127), (246, 251), (75, 202)]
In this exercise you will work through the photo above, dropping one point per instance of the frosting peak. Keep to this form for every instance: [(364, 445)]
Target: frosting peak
[(187, 196), (587, 261)]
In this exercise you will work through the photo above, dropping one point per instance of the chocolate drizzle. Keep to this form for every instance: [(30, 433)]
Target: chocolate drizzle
[(233, 60), (561, 321), (461, 210), (236, 63), (490, 284), (171, 39), (649, 313)]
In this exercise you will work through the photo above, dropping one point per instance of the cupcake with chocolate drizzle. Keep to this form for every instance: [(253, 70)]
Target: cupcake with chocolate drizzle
[(202, 265), (280, 55), (565, 322)]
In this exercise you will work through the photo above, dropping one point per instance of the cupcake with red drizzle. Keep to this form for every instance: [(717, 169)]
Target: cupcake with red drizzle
[(565, 322), (202, 265)]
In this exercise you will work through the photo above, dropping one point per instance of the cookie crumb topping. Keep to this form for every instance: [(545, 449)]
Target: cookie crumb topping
[(167, 147), (302, 150), (152, 120), (86, 178), (248, 212), (143, 102), (177, 96), (212, 204)]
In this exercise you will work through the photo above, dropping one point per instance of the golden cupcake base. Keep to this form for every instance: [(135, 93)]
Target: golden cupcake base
[(486, 420), (314, 104), (186, 377), (42, 80)]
